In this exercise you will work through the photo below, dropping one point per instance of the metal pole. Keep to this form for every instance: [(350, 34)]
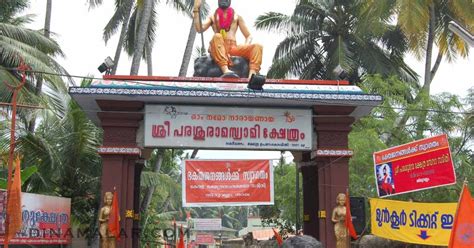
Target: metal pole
[(297, 182)]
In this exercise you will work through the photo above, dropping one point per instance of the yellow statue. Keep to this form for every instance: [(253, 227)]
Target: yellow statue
[(107, 240), (339, 219), (225, 22)]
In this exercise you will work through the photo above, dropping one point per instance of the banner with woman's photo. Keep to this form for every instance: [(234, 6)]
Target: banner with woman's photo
[(414, 166)]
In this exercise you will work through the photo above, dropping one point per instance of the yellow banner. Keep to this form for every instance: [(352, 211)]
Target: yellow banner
[(412, 222)]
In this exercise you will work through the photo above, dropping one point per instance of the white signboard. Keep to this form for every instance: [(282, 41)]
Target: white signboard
[(209, 224), (228, 127)]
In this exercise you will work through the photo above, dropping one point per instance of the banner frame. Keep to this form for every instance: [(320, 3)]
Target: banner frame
[(214, 204), (420, 189)]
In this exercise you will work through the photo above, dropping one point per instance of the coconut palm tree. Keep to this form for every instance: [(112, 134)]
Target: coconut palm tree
[(37, 51), (142, 27), (425, 24), (323, 35)]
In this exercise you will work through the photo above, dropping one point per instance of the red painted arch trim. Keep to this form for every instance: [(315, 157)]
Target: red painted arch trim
[(222, 80)]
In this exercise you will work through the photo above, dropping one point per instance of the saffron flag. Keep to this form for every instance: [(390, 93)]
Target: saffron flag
[(14, 205), (278, 237), (348, 222), (462, 233), (114, 217), (181, 238)]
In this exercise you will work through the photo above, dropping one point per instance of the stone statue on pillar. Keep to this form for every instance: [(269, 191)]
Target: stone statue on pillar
[(107, 240), (339, 220)]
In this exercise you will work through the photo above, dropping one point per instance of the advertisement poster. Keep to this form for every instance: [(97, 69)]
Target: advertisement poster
[(46, 220), (227, 183), (412, 222), (418, 165), (227, 127)]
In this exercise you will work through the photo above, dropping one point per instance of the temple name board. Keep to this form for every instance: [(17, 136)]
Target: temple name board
[(227, 127)]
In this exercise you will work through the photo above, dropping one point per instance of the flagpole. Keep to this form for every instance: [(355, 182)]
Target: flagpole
[(22, 67)]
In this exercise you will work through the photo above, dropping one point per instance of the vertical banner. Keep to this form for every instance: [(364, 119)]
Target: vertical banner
[(418, 165), (227, 182), (412, 222)]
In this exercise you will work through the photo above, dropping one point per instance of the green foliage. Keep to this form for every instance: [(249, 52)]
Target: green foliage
[(25, 174), (283, 212), (446, 113), (324, 35)]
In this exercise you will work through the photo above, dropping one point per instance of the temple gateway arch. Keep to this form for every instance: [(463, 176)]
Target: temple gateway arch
[(120, 105)]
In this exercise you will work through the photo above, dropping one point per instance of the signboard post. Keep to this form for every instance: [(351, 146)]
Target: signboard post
[(418, 165), (227, 183), (207, 127)]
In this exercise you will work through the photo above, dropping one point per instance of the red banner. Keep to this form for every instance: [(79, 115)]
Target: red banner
[(418, 165), (46, 220), (227, 182), (204, 239)]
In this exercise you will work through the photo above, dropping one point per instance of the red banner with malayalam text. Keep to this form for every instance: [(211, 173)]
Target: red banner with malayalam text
[(227, 182), (46, 220), (414, 166)]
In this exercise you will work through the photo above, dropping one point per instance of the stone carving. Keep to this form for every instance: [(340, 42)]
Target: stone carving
[(204, 66)]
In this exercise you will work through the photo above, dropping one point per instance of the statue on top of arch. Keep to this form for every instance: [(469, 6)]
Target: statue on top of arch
[(223, 46)]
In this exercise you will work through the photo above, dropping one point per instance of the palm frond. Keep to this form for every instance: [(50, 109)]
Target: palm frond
[(32, 38), (121, 14), (272, 21)]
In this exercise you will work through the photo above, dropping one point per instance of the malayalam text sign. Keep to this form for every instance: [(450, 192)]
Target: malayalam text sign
[(418, 165), (412, 222), (228, 127), (46, 220), (227, 182), (207, 224), (204, 239)]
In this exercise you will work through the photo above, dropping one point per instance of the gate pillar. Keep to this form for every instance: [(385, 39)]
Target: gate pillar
[(121, 167), (326, 170)]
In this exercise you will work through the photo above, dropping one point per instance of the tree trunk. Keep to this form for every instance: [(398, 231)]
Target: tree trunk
[(188, 51), (185, 62), (150, 190), (425, 90), (141, 36), (39, 79), (47, 19), (123, 33), (149, 61)]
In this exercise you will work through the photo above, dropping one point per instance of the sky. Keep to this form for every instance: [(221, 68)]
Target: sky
[(78, 30)]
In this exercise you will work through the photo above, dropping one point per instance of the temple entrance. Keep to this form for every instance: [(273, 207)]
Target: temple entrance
[(124, 106)]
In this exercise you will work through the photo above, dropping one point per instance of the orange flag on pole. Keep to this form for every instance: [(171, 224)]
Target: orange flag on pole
[(462, 233), (181, 238), (14, 205), (114, 217), (278, 236), (348, 222)]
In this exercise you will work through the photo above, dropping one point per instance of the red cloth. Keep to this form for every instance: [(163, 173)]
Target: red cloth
[(181, 238), (114, 217), (278, 237), (226, 16), (348, 222), (462, 234), (14, 204)]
